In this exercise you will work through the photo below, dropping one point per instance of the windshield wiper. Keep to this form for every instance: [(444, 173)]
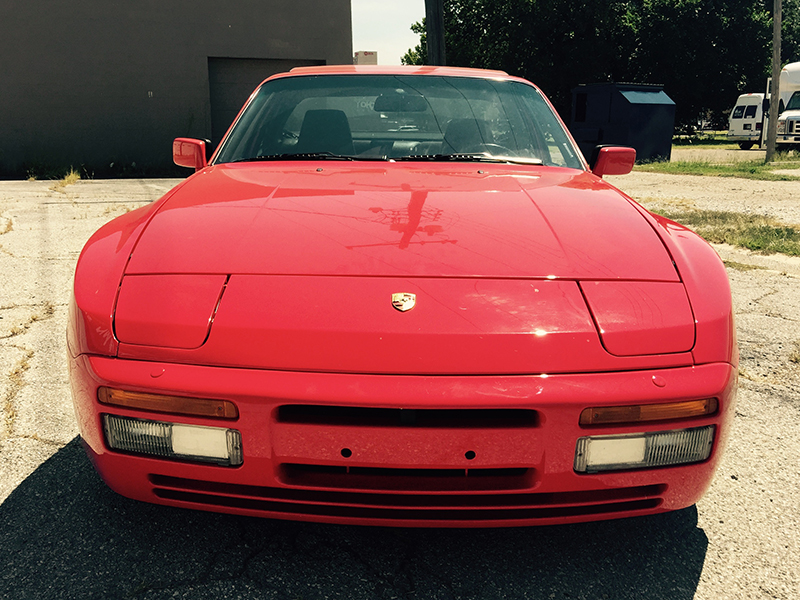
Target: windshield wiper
[(306, 156), (471, 157), (456, 157), (296, 156)]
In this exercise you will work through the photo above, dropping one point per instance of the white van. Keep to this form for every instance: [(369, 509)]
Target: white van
[(746, 121), (789, 119)]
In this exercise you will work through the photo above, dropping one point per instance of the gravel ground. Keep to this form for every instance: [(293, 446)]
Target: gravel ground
[(63, 534)]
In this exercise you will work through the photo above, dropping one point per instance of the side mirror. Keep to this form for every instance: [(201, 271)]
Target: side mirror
[(190, 153), (612, 160)]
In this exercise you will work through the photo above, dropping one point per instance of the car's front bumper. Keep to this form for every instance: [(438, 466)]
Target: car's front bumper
[(449, 464)]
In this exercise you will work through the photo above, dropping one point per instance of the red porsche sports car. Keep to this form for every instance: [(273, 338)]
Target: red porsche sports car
[(400, 296)]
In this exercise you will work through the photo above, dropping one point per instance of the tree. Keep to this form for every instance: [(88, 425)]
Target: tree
[(790, 31), (704, 52), (419, 54)]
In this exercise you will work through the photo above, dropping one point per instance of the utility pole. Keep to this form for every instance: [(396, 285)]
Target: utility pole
[(434, 31), (774, 97)]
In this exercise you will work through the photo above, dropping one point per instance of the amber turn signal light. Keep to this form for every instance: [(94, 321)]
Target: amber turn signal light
[(197, 407), (621, 415)]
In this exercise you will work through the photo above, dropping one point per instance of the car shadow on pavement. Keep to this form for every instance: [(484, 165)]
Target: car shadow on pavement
[(64, 534)]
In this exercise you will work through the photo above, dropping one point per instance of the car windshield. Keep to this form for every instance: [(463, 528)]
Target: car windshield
[(399, 117), (794, 102)]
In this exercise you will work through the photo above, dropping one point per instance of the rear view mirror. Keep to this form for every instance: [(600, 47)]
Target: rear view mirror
[(400, 102), (188, 152), (613, 160)]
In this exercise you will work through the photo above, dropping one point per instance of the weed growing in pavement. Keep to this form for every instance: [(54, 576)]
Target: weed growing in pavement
[(794, 356), (745, 374), (732, 264), (47, 311), (117, 208), (15, 379), (71, 177), (758, 233)]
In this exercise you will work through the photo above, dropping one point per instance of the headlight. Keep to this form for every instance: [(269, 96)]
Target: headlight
[(174, 440), (781, 126), (643, 450)]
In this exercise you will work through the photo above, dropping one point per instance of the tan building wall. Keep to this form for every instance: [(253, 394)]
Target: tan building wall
[(101, 82)]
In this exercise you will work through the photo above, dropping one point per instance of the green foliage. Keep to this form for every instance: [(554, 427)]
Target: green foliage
[(704, 52), (419, 54), (790, 26)]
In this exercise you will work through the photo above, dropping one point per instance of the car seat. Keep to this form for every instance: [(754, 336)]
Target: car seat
[(325, 131)]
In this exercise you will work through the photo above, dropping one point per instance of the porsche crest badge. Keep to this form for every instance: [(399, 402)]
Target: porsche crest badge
[(404, 302)]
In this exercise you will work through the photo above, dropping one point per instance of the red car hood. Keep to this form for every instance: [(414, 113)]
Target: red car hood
[(400, 220), (513, 270)]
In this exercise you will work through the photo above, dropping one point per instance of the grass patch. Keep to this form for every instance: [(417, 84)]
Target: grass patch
[(712, 139), (750, 169), (706, 143), (758, 233), (722, 146)]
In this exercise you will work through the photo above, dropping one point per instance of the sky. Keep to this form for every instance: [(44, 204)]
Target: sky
[(384, 26)]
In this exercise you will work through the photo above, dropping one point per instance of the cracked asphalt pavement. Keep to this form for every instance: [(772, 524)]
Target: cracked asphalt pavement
[(63, 534)]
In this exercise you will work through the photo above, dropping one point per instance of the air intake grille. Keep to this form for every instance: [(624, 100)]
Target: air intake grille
[(391, 417), (419, 480), (418, 508)]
